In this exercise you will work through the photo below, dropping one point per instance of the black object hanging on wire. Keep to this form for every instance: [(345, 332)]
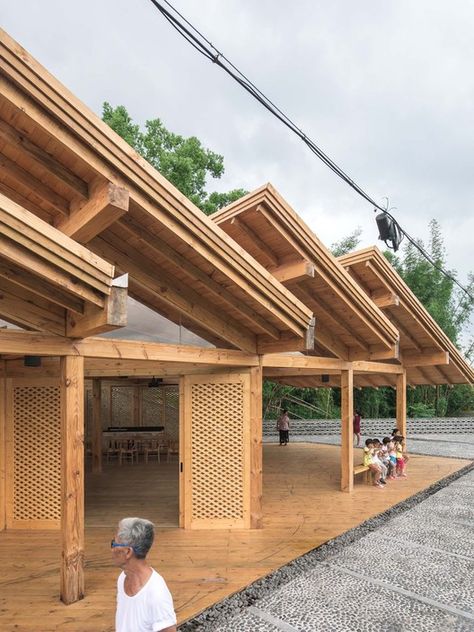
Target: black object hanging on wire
[(389, 231)]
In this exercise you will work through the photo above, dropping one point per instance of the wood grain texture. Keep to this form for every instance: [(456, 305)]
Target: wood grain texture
[(302, 508)]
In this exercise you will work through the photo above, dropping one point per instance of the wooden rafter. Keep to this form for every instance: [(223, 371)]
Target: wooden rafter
[(41, 190), (256, 241), (161, 247), (47, 109), (173, 291), (41, 157)]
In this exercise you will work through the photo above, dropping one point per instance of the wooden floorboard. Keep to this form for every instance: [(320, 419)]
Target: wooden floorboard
[(303, 508)]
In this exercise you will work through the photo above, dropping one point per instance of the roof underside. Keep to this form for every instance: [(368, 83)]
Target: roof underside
[(347, 326), (420, 336), (59, 160)]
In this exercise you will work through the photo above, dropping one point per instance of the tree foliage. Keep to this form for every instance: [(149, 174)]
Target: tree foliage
[(182, 161), (346, 244)]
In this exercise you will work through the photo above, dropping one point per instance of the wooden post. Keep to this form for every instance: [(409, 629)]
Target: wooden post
[(96, 427), (347, 439), (402, 404), (256, 467), (72, 478), (3, 451)]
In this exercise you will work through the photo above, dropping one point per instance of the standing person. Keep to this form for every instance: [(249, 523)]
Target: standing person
[(144, 602), (283, 426), (356, 426)]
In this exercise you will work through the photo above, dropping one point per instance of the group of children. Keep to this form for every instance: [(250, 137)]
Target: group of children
[(386, 459)]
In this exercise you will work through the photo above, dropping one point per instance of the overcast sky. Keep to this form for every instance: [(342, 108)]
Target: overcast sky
[(385, 88)]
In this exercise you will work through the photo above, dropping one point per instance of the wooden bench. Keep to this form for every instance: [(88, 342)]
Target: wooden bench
[(359, 469)]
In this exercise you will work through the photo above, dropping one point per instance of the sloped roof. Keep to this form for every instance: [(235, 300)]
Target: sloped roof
[(421, 338), (348, 325), (59, 159)]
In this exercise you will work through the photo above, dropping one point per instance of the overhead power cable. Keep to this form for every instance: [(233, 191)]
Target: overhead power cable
[(194, 37)]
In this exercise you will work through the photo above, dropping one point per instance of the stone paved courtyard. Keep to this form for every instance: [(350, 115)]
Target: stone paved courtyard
[(413, 573)]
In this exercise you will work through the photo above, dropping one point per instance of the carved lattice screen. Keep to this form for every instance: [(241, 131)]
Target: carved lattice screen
[(152, 406), (121, 402), (34, 484), (216, 427)]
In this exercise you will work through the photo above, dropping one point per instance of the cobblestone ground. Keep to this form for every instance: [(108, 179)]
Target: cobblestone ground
[(411, 572)]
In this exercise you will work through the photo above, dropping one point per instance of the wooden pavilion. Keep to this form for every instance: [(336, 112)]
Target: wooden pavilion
[(78, 210)]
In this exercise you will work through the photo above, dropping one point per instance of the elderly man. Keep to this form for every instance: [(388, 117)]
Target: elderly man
[(144, 602)]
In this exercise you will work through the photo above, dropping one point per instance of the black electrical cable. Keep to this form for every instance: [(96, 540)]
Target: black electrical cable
[(208, 50)]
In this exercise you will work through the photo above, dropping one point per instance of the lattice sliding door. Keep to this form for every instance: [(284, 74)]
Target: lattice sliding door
[(33, 415), (216, 453)]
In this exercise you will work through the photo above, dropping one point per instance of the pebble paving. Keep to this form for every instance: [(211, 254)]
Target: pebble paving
[(411, 572)]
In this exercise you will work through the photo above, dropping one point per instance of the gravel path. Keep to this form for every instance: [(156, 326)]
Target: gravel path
[(410, 569)]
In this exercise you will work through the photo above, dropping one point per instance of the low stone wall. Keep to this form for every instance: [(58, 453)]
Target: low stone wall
[(377, 427)]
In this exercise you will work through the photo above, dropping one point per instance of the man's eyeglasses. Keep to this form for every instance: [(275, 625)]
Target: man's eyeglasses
[(114, 545)]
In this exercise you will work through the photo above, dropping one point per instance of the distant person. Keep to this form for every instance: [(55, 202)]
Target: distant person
[(356, 427), (283, 427), (144, 602)]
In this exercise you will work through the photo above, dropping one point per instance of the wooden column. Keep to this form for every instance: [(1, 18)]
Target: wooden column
[(3, 451), (402, 403), (72, 478), (256, 467), (96, 427), (347, 439)]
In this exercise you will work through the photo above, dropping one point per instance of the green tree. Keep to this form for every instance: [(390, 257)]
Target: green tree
[(450, 307), (183, 161), (346, 244)]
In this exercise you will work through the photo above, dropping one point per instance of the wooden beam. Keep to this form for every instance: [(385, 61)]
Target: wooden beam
[(376, 352), (347, 438), (194, 272), (108, 204), (22, 343), (300, 361), (383, 299), (324, 335), (298, 371), (262, 247), (361, 366), (294, 271), (28, 310), (425, 359), (402, 403), (325, 313), (96, 427), (256, 449), (23, 201), (40, 190), (96, 320), (287, 342), (25, 229), (41, 157), (175, 292), (72, 478), (24, 279), (36, 266), (405, 332)]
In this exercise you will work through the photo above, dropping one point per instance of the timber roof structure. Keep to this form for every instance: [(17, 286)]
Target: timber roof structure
[(425, 350), (61, 163), (347, 325)]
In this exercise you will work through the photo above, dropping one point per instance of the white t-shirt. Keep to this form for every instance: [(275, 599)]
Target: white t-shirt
[(150, 610)]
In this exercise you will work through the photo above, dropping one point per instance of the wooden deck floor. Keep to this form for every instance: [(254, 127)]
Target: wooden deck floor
[(302, 505)]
